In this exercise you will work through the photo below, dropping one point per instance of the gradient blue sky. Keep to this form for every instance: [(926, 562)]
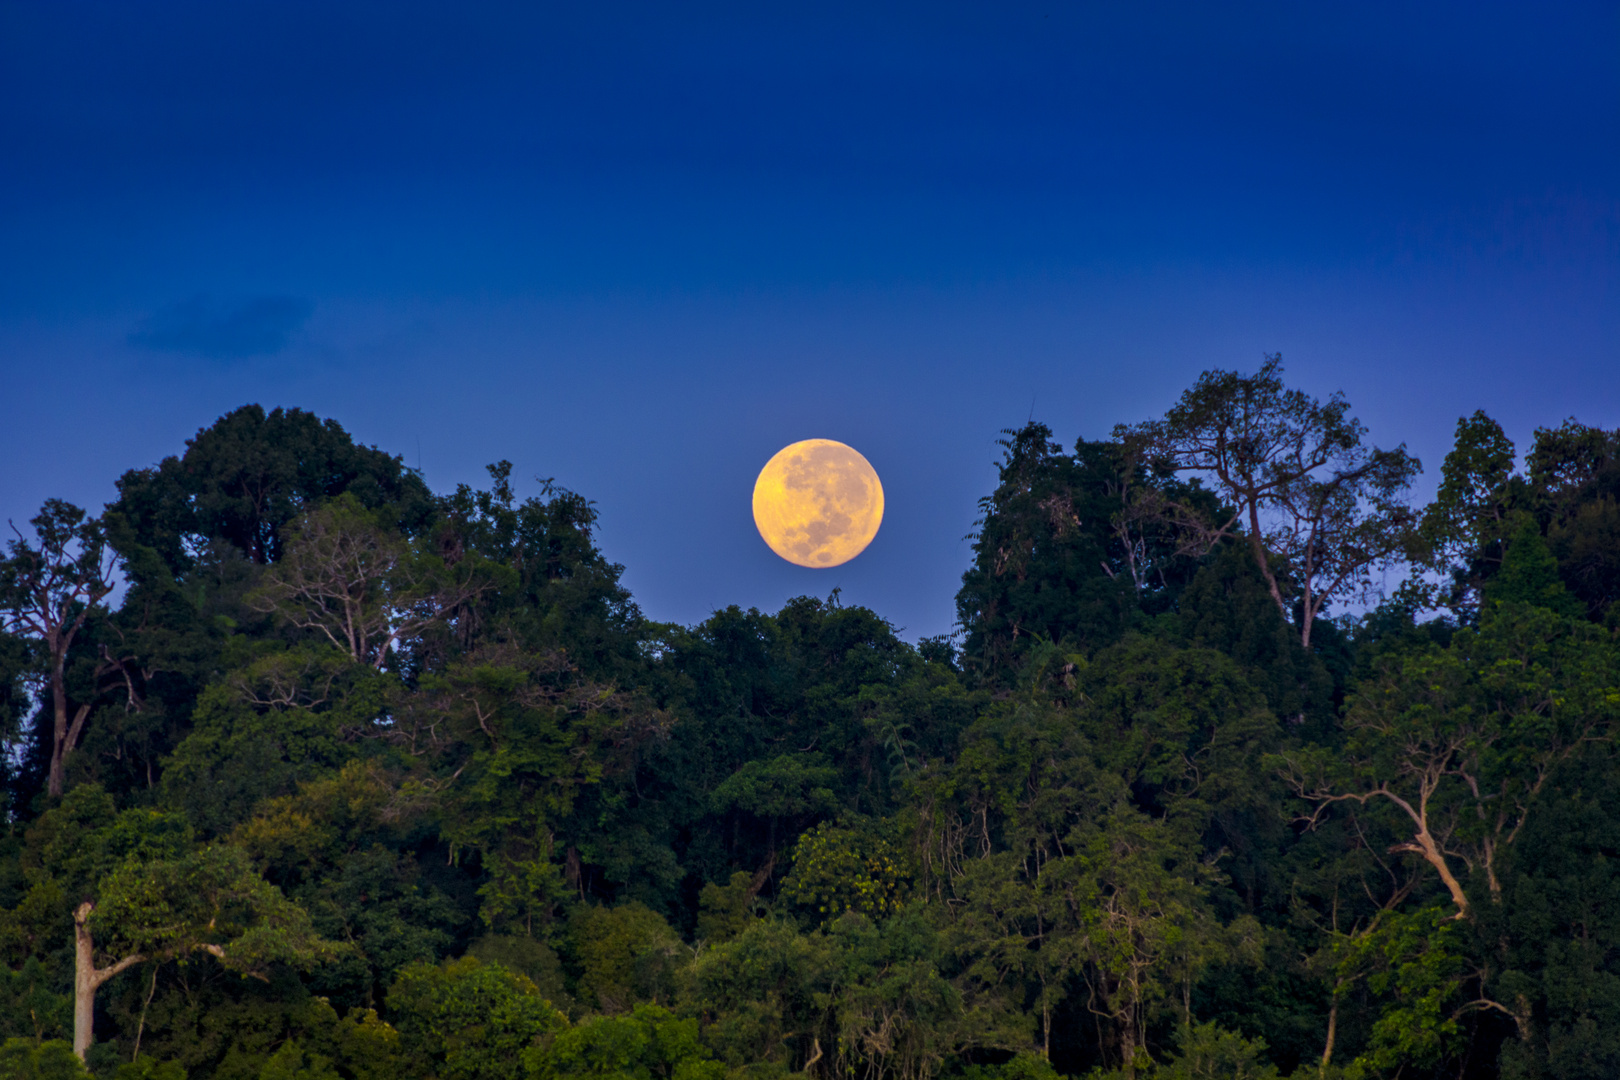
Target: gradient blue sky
[(639, 248)]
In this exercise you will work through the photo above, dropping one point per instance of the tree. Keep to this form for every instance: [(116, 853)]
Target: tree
[(469, 1020), (346, 578), (207, 901), (29, 1059), (651, 1043), (625, 954), (510, 740), (1461, 741), (1451, 752), (1561, 923), (340, 848), (48, 591), (566, 594), (249, 474), (1067, 843), (850, 867), (1529, 575), (1465, 527), (1056, 556), (1304, 490), (1574, 488), (763, 993)]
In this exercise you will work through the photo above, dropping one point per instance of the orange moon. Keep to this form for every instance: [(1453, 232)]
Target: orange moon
[(818, 503)]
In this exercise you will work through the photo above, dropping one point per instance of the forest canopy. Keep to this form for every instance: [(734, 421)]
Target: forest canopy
[(1241, 763)]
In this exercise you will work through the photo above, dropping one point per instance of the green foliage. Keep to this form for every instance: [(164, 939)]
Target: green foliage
[(895, 1012), (1465, 527), (26, 1059), (1226, 607), (528, 957), (1025, 1066), (469, 1020), (1205, 1052), (790, 786), (1529, 574), (1070, 549), (148, 1068), (1561, 926), (1067, 842), (211, 900), (511, 739), (649, 1043), (724, 911), (339, 848), (241, 1028), (566, 595), (856, 992), (625, 954), (761, 990), (30, 1003), (419, 768), (1038, 569), (839, 869), (1415, 961), (244, 478)]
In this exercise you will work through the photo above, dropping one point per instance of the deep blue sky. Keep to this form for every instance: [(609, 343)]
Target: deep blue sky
[(639, 248)]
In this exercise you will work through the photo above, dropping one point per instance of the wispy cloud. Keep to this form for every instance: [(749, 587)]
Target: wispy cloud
[(222, 329)]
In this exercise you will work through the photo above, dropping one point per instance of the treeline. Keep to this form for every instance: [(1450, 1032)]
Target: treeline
[(1241, 765)]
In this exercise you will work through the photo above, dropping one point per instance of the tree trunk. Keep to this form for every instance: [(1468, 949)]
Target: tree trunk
[(1332, 1032), (59, 730), (87, 978), (84, 980), (1262, 560), (1425, 846)]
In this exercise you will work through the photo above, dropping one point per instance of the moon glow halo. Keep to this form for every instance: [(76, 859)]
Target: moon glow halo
[(818, 503)]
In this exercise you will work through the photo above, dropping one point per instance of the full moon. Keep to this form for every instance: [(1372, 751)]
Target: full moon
[(818, 503)]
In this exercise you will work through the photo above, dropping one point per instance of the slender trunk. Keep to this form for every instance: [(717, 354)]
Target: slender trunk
[(140, 1029), (1258, 548), (1332, 1032), (59, 729)]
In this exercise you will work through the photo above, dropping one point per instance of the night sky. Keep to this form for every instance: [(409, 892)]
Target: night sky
[(639, 248)]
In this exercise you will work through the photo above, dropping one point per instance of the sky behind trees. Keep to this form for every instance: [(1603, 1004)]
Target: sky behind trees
[(639, 252)]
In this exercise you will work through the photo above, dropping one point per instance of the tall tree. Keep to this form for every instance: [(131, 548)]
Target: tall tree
[(1465, 527), (206, 901), (1449, 754), (1459, 742), (49, 589), (348, 579), (1070, 547), (1320, 510), (249, 474), (1574, 479)]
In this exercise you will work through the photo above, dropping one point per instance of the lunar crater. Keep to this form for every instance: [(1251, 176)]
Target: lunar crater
[(818, 503)]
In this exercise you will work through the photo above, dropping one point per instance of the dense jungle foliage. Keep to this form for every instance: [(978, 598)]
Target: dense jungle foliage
[(315, 773)]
